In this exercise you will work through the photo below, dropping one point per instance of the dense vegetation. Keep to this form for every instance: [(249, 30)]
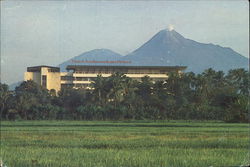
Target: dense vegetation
[(211, 95), (123, 144)]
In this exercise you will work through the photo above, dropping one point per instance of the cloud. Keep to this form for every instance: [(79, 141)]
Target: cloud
[(170, 27)]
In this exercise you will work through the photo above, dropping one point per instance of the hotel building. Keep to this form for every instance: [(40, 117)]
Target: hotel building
[(80, 76)]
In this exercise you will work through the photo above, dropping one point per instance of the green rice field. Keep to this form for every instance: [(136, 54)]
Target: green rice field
[(124, 144)]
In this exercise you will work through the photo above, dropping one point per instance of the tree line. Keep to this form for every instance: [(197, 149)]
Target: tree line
[(211, 95)]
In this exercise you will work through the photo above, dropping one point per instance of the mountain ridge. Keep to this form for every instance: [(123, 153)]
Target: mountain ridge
[(169, 48)]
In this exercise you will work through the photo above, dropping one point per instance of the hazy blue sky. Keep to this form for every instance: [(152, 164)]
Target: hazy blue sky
[(50, 32)]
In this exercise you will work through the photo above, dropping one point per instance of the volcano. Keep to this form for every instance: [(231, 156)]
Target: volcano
[(169, 48)]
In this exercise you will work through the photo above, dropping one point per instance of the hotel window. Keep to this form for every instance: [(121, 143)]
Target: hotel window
[(44, 81), (81, 79), (67, 85), (53, 70), (163, 71), (67, 78)]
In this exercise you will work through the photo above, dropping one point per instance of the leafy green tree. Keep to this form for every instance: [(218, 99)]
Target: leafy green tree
[(211, 95), (31, 101), (145, 89), (131, 100), (29, 94), (70, 99), (5, 96)]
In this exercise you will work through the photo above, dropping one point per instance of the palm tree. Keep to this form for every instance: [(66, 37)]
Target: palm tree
[(239, 78), (101, 89), (120, 87)]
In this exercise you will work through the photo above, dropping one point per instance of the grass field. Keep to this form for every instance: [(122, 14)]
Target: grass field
[(124, 144)]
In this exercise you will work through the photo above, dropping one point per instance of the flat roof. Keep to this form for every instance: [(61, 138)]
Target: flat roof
[(38, 68), (42, 66), (73, 67)]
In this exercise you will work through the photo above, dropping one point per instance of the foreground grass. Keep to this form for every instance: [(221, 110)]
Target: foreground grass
[(124, 144)]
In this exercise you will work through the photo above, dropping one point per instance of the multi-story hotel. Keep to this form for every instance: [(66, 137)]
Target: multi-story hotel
[(80, 76)]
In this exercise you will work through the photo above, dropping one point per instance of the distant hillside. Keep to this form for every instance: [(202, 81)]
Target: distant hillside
[(93, 55)]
